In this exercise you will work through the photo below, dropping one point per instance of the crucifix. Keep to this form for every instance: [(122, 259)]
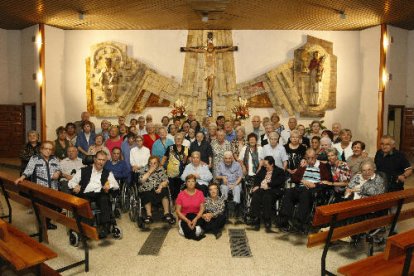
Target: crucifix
[(210, 52)]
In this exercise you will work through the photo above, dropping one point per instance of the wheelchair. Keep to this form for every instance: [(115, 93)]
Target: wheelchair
[(137, 211)]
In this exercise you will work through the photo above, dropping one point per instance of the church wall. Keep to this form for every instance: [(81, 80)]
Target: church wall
[(365, 124), (410, 69), (55, 107), (29, 66), (396, 88), (10, 67)]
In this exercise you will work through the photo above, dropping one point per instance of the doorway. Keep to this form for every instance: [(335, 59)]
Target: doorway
[(394, 124)]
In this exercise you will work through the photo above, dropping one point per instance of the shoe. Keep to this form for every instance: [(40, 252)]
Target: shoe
[(51, 226), (148, 220), (199, 231), (218, 235)]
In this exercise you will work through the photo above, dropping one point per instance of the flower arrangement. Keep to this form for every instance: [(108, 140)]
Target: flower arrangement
[(241, 110), (179, 110)]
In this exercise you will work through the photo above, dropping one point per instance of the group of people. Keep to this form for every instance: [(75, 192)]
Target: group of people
[(204, 166)]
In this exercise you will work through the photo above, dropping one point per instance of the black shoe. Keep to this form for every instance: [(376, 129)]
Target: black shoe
[(51, 226), (218, 235)]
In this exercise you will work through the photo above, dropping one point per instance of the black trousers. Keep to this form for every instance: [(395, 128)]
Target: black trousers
[(175, 186), (103, 203), (301, 195), (215, 224), (263, 198), (188, 232), (203, 188)]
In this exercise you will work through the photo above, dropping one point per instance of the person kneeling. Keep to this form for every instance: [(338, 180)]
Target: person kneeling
[(214, 216), (153, 183), (190, 209), (268, 186), (93, 183)]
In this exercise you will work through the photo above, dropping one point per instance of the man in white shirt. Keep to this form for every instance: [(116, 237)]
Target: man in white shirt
[(70, 165), (93, 183), (285, 135)]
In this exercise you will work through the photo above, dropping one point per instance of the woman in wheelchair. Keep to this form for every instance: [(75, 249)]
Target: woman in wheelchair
[(153, 183), (268, 186), (341, 175)]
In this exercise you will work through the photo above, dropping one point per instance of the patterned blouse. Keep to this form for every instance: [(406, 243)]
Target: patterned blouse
[(373, 186), (42, 171), (219, 150), (216, 207), (153, 181), (236, 147), (340, 173)]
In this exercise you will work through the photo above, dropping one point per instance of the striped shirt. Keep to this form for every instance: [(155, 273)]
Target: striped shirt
[(312, 173)]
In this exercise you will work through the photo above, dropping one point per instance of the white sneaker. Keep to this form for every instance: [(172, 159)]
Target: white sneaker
[(199, 231)]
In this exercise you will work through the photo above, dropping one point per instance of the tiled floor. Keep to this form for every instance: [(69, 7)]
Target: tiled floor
[(273, 254)]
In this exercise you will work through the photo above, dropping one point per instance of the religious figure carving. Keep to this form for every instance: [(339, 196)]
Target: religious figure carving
[(109, 81), (316, 74), (210, 62)]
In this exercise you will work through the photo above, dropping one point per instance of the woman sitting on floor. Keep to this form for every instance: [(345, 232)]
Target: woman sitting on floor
[(153, 182), (214, 216), (190, 209)]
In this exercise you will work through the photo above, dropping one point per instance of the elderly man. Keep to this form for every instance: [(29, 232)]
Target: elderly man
[(200, 171), (70, 165), (93, 183), (230, 133), (285, 134), (256, 126), (219, 146), (307, 179), (44, 169), (85, 116), (277, 151), (141, 130), (264, 139), (393, 163), (230, 173)]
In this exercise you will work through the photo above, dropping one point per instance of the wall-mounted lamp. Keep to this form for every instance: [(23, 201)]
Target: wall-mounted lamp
[(204, 17), (37, 39), (342, 14), (38, 77), (386, 77)]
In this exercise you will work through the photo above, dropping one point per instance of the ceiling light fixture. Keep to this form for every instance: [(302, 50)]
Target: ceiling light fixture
[(204, 17), (81, 16), (342, 14)]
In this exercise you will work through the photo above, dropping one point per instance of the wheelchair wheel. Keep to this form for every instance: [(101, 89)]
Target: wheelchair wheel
[(116, 233), (74, 239), (134, 204), (125, 198)]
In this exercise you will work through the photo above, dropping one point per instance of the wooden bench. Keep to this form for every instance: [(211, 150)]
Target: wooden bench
[(335, 214), (41, 199), (23, 252), (396, 259)]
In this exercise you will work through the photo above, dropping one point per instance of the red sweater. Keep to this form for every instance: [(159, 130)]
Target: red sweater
[(148, 142)]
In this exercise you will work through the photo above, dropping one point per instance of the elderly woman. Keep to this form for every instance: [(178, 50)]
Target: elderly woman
[(71, 134), (200, 171), (295, 151), (275, 119), (214, 217), (315, 129), (204, 125), (191, 135), (175, 158), (212, 132), (31, 148), (61, 144), (195, 125), (165, 121), (303, 139), (367, 183), (345, 146), (356, 159), (114, 139), (161, 145), (250, 157), (325, 144), (204, 148), (268, 186), (238, 143), (190, 209), (341, 174), (219, 146), (98, 146), (85, 139), (150, 137), (153, 182)]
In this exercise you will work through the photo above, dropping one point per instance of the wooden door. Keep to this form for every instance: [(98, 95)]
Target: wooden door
[(11, 130), (407, 141)]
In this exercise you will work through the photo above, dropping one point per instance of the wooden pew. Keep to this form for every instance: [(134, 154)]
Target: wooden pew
[(23, 252), (334, 214), (396, 259), (42, 199)]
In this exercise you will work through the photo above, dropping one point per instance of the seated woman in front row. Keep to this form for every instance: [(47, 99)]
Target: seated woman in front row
[(153, 183), (268, 186), (190, 209), (214, 216)]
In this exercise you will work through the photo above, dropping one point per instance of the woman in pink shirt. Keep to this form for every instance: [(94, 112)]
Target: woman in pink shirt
[(190, 208), (114, 140)]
